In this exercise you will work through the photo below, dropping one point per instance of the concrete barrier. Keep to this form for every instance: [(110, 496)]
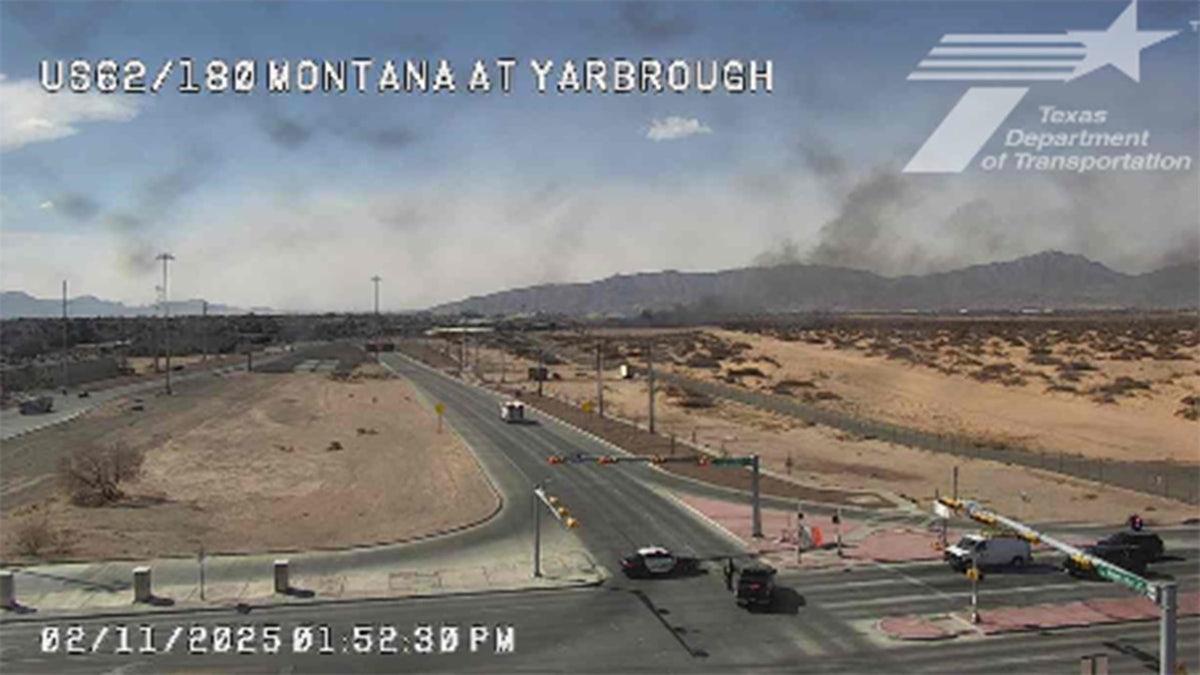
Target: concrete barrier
[(8, 599), (281, 577), (141, 584)]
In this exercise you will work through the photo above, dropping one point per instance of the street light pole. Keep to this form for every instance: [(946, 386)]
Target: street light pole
[(650, 381), (166, 258), (378, 333), (64, 337)]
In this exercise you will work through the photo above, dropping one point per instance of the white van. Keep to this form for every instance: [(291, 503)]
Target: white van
[(989, 551)]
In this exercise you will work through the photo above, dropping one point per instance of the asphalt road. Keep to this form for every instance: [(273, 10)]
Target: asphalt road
[(822, 623)]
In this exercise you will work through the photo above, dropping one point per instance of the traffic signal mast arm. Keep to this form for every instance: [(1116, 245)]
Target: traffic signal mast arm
[(1104, 568), (559, 511)]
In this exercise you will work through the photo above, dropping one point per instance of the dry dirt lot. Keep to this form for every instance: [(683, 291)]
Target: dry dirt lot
[(250, 465)]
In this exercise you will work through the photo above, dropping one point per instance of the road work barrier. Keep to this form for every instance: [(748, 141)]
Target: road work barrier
[(141, 584)]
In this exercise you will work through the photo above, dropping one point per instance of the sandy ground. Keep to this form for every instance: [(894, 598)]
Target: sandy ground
[(253, 470), (1139, 426), (827, 457)]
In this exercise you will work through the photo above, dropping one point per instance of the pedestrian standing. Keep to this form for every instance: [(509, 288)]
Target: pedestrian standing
[(728, 574)]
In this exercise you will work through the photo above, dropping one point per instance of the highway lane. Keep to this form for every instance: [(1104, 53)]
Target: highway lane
[(620, 511)]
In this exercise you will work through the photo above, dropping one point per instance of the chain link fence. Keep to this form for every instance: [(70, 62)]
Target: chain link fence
[(1162, 478)]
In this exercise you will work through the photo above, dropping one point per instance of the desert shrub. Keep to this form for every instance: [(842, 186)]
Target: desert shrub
[(746, 372), (34, 536), (1122, 386), (1044, 360), (334, 446), (826, 396), (1059, 386), (92, 475), (1077, 366), (702, 361), (1190, 408)]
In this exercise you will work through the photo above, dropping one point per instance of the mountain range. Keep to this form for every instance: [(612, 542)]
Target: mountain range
[(21, 305), (1048, 280)]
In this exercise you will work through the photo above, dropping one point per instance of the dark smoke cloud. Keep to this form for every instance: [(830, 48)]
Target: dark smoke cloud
[(76, 206), (285, 132), (651, 22), (978, 227), (153, 203), (858, 236), (785, 252)]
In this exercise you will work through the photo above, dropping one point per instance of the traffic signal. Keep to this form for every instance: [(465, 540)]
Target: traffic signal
[(572, 523), (1135, 523), (562, 511), (553, 500)]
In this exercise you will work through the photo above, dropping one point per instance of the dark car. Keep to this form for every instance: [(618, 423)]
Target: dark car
[(1150, 544), (756, 586), (656, 561), (1129, 558)]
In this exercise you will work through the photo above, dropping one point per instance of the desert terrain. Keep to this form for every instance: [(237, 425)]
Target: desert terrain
[(266, 462), (1097, 419)]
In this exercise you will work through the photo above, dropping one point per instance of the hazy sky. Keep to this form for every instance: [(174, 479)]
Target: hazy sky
[(295, 200)]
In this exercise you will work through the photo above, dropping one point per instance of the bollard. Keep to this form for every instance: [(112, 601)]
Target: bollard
[(281, 576), (8, 598), (1085, 665), (1100, 664), (141, 584)]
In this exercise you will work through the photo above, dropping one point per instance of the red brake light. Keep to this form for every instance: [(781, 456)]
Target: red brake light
[(754, 587)]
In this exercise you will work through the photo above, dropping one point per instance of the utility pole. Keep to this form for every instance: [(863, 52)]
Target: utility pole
[(757, 522), (204, 328), (378, 333), (541, 371), (537, 533), (64, 337), (650, 380), (600, 378), (166, 258)]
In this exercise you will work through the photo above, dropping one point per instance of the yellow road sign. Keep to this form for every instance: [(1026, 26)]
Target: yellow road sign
[(973, 573), (439, 408), (588, 406)]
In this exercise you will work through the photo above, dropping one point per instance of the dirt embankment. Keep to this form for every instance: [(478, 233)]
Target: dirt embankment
[(273, 462)]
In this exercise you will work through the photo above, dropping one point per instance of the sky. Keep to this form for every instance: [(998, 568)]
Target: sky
[(295, 200)]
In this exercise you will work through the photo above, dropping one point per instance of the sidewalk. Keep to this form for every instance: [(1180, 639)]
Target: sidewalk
[(864, 541), (1031, 618), (106, 588)]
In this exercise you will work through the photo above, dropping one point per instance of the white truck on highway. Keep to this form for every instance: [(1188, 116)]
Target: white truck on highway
[(989, 551), (512, 412)]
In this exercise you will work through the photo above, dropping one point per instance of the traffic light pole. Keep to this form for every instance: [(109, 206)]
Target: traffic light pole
[(757, 533), (1166, 628), (537, 534)]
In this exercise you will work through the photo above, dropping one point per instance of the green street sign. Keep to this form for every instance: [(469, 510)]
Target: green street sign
[(1127, 579), (734, 461)]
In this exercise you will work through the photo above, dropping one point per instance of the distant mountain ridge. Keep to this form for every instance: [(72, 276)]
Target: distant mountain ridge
[(1050, 280), (21, 305)]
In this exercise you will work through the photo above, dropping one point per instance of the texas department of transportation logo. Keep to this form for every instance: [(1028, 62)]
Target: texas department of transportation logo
[(1027, 58)]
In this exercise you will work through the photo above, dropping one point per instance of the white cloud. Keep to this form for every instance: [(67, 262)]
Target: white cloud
[(46, 205), (31, 115), (675, 128)]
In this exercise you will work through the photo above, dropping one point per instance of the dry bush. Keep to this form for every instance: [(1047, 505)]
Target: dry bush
[(746, 372), (1190, 408), (92, 475), (34, 536)]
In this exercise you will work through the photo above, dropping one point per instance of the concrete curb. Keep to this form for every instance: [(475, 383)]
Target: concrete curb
[(49, 616)]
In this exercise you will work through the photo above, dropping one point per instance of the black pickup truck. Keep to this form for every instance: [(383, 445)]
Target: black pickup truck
[(756, 586)]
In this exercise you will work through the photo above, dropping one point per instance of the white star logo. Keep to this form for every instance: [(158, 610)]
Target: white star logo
[(1121, 45)]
